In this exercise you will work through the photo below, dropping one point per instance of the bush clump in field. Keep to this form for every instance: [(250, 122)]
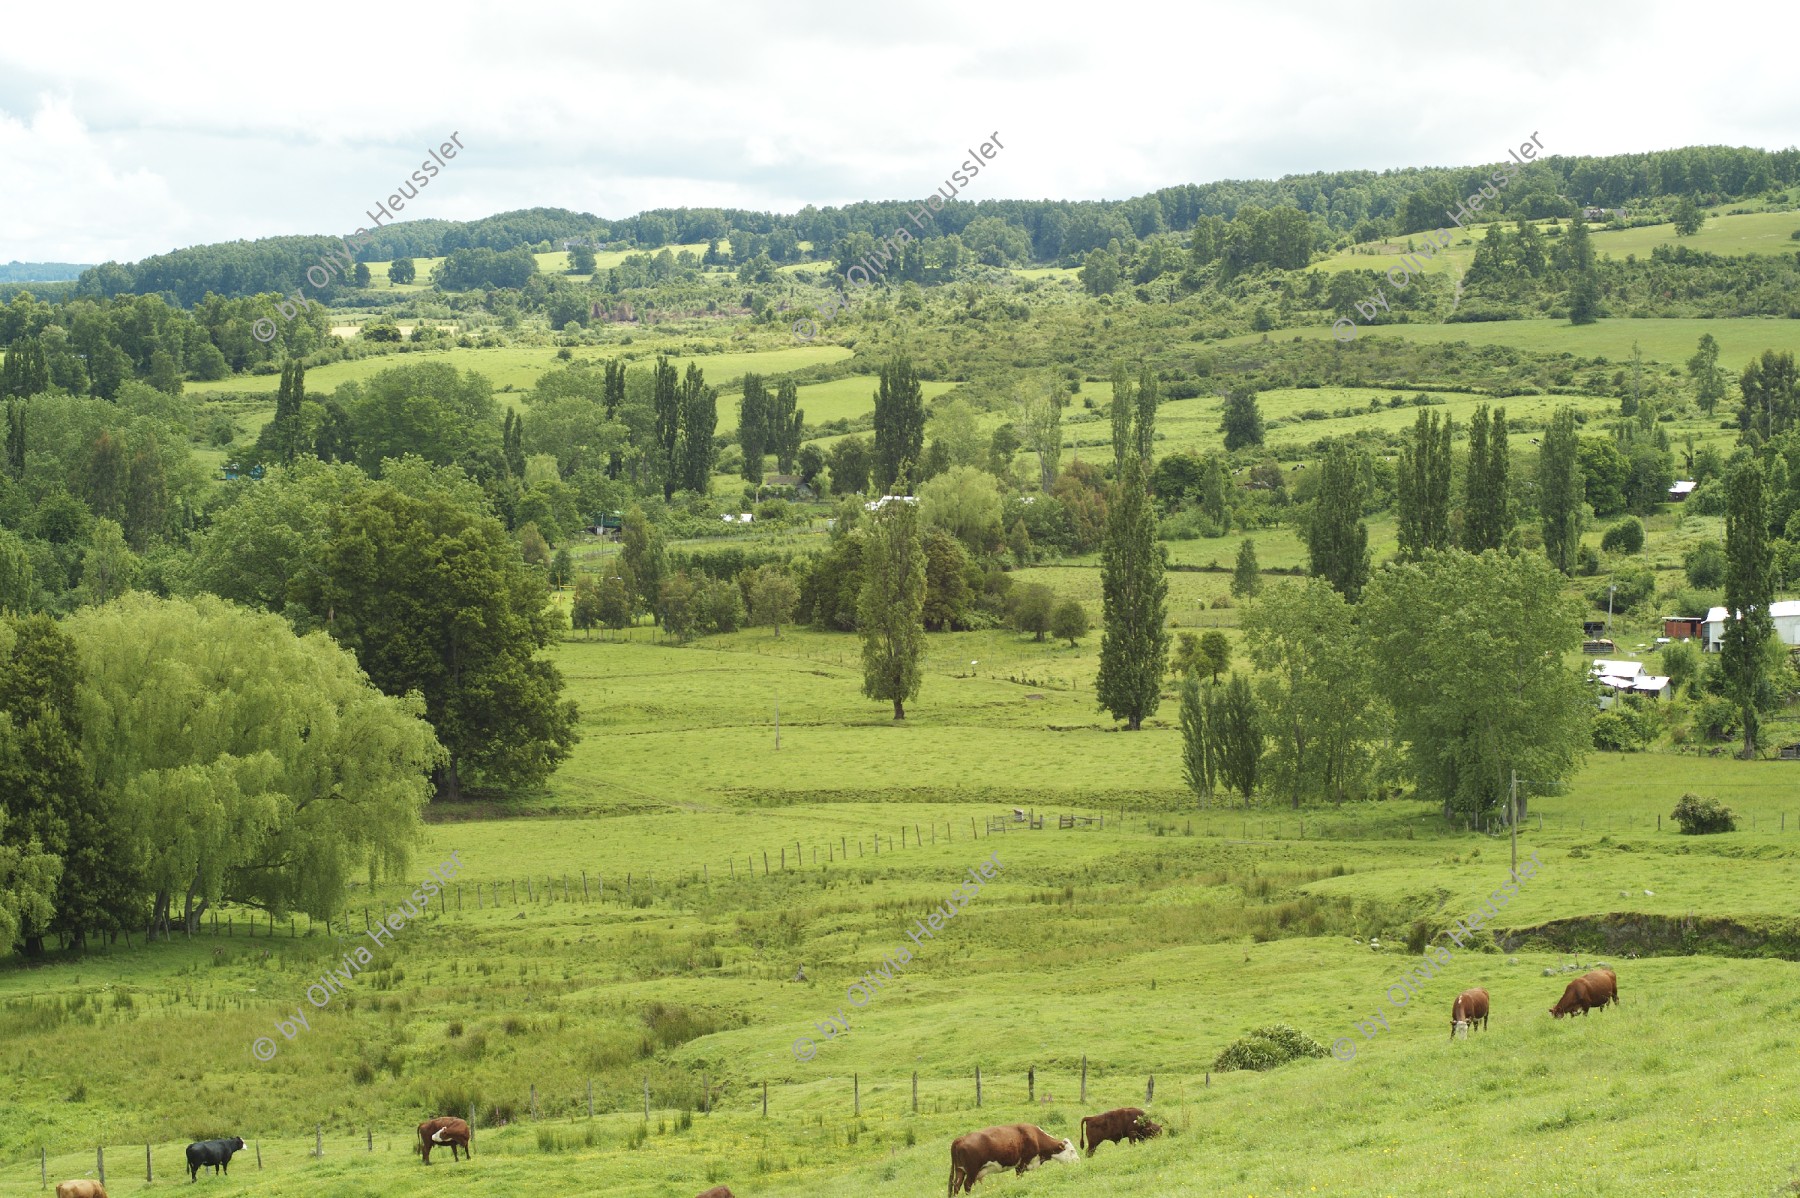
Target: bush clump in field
[(1699, 817), (1267, 1047)]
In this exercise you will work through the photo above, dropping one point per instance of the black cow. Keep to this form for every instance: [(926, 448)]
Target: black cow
[(216, 1153)]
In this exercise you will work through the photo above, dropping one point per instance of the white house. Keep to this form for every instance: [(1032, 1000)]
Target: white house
[(1785, 613), (1681, 490), (875, 505)]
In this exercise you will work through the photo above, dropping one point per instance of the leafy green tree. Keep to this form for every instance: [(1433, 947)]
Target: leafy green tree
[(1584, 300), (1749, 588), (581, 260), (699, 419), (1040, 415), (642, 553), (785, 423), (1627, 536), (1134, 644), (15, 438), (18, 580), (1002, 445), (1197, 753), (1215, 653), (965, 502), (1681, 663), (270, 787), (1246, 575), (899, 424), (1708, 376), (1434, 624), (361, 274), (284, 437), (1069, 622), (1688, 218), (1034, 606), (584, 608), (616, 600), (851, 462), (424, 408), (402, 271), (24, 372), (433, 596), (1652, 474), (1487, 512), (108, 566), (1771, 390), (1124, 410), (890, 608), (1705, 565), (1423, 480), (1605, 473), (1561, 489), (1235, 731), (754, 412), (1316, 693), (562, 568), (946, 582), (665, 398), (1337, 540), (773, 597), (1143, 430), (1241, 420)]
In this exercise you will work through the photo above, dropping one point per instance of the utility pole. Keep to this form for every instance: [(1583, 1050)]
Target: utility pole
[(1610, 588), (1513, 806)]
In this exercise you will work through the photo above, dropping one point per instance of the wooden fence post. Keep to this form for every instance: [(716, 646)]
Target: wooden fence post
[(147, 1177), (1031, 1084), (43, 1167), (319, 1140), (100, 1163), (259, 1156), (370, 1132), (784, 856), (765, 863), (1150, 1089), (978, 1087)]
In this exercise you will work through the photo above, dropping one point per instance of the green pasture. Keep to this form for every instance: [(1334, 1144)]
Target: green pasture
[(838, 399), (1746, 233), (1670, 342)]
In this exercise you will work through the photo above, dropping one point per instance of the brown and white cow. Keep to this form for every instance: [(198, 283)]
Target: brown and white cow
[(1470, 1007), (1595, 988), (717, 1192), (1124, 1123), (445, 1129), (1017, 1146), (81, 1187)]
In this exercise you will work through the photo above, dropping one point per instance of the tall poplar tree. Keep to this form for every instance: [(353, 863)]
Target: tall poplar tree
[(891, 606), (25, 372), (1709, 379), (785, 423), (699, 419), (284, 437), (899, 424), (1337, 540), (1197, 765), (612, 397), (753, 426), (1241, 420), (1424, 488), (1144, 429), (1124, 408), (1487, 512), (1561, 490), (1749, 588), (1134, 644), (665, 401)]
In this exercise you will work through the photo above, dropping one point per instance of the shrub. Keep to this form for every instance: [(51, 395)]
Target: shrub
[(1627, 536), (1718, 719), (1631, 586), (1267, 1047), (1705, 565), (1617, 731), (1587, 561), (1700, 817)]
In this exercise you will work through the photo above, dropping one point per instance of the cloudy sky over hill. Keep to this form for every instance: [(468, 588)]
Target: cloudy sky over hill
[(133, 130)]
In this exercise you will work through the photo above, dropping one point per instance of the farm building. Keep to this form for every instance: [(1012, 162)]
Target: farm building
[(1785, 612), (1626, 678), (1684, 628), (1681, 490), (875, 505)]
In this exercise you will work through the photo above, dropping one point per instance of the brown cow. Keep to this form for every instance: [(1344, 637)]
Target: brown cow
[(1124, 1123), (1470, 1006), (1018, 1146), (445, 1129), (1595, 988), (81, 1187), (717, 1192)]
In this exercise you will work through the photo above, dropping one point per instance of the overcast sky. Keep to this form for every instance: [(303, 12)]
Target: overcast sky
[(128, 130)]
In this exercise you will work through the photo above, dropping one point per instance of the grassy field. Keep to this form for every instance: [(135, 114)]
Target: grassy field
[(1144, 947), (1666, 341)]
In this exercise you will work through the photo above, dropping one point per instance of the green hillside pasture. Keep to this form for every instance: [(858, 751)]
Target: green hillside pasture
[(1670, 342), (518, 366), (1746, 233), (422, 267), (838, 399)]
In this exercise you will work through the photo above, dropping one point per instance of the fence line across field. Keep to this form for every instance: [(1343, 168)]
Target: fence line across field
[(570, 1113), (790, 857)]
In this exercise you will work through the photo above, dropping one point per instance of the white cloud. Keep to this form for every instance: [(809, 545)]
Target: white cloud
[(247, 121)]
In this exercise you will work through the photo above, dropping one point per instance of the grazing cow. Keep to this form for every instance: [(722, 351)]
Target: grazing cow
[(1595, 988), (216, 1153), (1470, 1008), (80, 1188), (1018, 1146), (717, 1192), (445, 1129), (1126, 1123)]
